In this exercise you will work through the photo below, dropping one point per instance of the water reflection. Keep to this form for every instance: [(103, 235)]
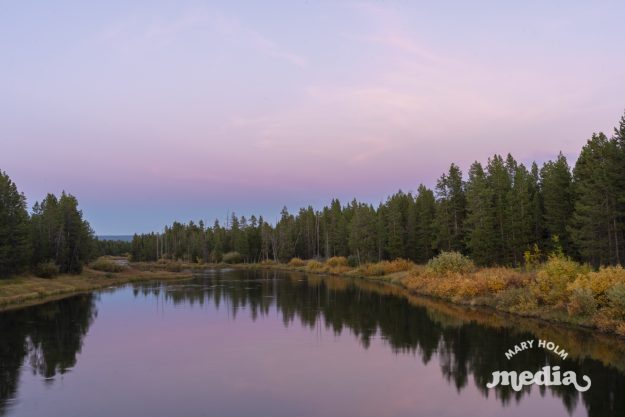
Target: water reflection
[(44, 339), (468, 344)]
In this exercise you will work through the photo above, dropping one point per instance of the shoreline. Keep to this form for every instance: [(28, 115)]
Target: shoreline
[(401, 280), (26, 291)]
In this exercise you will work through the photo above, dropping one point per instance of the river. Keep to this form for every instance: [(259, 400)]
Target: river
[(270, 344)]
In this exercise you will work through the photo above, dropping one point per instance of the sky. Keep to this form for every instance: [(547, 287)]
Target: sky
[(155, 111)]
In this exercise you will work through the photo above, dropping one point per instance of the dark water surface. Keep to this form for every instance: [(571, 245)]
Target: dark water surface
[(268, 344)]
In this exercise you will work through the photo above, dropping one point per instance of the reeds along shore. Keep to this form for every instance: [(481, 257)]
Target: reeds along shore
[(559, 289)]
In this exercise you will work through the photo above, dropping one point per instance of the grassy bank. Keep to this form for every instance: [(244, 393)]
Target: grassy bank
[(29, 290)]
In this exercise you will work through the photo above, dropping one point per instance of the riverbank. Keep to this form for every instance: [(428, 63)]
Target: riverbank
[(27, 290), (558, 291)]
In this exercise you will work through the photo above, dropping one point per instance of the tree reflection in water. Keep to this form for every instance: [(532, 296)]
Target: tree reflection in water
[(44, 338)]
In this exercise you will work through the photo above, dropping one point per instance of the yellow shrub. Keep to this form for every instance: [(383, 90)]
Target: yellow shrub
[(297, 262), (337, 261), (468, 288), (601, 281), (398, 265), (371, 270), (553, 279), (313, 265)]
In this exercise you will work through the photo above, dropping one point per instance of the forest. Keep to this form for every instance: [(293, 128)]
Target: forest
[(54, 238), (495, 214)]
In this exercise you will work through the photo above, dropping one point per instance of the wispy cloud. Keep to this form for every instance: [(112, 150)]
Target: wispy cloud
[(134, 34), (233, 27)]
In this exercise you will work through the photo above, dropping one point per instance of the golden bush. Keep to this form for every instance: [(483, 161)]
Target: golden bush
[(314, 265), (449, 262), (554, 278), (337, 261), (600, 282), (297, 262)]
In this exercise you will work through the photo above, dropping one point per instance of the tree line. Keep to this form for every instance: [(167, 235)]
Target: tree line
[(495, 214), (53, 238)]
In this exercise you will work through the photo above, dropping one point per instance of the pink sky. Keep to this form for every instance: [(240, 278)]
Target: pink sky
[(162, 111)]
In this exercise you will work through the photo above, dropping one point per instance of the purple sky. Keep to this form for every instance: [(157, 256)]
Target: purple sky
[(151, 111)]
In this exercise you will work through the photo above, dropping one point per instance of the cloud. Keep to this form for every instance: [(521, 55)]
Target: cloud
[(230, 26), (131, 34), (135, 34)]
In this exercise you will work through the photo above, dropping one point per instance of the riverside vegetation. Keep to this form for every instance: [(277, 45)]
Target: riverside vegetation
[(544, 242), (559, 289)]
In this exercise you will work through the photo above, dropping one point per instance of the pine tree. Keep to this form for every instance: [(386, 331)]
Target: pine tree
[(594, 226), (537, 203), (395, 219), (14, 228), (451, 210), (619, 138), (363, 234), (500, 184), (557, 192), (480, 222), (520, 210), (425, 209)]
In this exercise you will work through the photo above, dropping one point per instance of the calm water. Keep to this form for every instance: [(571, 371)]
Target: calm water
[(243, 343)]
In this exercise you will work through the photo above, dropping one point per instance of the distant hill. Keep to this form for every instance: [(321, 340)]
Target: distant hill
[(125, 238)]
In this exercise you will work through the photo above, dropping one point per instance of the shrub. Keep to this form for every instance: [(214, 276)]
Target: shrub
[(520, 300), (107, 266), (450, 262), (46, 270), (582, 302), (532, 258), (337, 261), (616, 297), (385, 267), (554, 278), (173, 266), (297, 262), (371, 270), (232, 258), (600, 282), (399, 265), (314, 265)]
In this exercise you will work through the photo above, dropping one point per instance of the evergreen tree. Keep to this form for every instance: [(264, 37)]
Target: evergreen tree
[(451, 210), (14, 228), (481, 221), (521, 220), (425, 209), (595, 224), (537, 203), (500, 184), (363, 234), (557, 192)]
